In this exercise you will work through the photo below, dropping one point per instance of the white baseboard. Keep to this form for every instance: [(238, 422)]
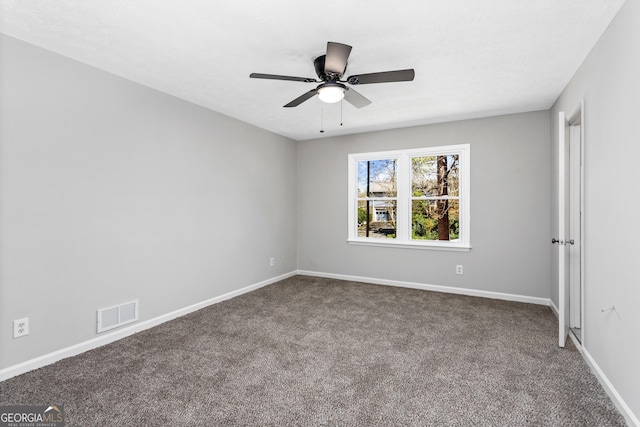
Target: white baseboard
[(577, 344), (76, 349), (435, 288), (617, 400), (632, 419), (118, 334), (555, 309)]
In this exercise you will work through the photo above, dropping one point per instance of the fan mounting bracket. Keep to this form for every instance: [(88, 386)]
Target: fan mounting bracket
[(353, 80)]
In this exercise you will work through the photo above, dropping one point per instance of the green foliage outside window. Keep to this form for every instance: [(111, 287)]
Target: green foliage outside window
[(424, 222), (362, 215)]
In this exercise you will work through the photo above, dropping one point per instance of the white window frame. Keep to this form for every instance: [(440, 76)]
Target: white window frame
[(404, 197)]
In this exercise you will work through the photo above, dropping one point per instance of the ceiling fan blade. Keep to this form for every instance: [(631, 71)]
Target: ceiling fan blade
[(355, 98), (299, 100), (277, 77), (336, 59), (383, 77)]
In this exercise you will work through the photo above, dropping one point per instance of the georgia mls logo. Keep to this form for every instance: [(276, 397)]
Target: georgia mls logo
[(32, 416), (54, 412)]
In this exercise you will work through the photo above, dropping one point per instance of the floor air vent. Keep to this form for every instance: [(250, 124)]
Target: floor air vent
[(118, 315)]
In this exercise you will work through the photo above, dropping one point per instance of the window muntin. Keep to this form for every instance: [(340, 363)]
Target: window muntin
[(416, 198)]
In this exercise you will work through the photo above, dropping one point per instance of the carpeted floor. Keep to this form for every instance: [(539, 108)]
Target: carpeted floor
[(318, 352)]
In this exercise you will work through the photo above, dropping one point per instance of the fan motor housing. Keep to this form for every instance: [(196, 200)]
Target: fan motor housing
[(318, 63)]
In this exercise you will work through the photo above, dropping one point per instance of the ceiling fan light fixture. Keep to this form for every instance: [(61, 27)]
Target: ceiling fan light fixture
[(331, 93), (330, 69)]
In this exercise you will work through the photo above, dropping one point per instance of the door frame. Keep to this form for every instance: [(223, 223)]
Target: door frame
[(568, 137), (577, 217), (563, 279)]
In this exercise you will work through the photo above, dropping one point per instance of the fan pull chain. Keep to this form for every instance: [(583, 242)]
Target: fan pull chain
[(341, 104), (321, 120)]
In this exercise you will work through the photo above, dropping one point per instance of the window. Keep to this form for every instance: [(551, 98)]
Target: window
[(416, 198)]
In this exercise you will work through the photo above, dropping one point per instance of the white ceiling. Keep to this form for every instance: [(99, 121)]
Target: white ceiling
[(472, 58)]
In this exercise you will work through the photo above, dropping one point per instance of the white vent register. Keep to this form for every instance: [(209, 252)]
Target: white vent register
[(118, 315)]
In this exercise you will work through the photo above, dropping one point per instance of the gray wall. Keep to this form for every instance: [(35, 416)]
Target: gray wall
[(509, 207), (111, 191), (609, 83)]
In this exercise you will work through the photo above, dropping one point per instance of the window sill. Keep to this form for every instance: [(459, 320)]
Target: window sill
[(388, 243)]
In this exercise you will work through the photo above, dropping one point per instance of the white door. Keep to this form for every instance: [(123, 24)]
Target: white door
[(563, 228)]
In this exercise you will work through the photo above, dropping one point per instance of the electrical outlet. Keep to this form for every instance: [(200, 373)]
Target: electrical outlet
[(272, 262), (458, 269), (21, 327)]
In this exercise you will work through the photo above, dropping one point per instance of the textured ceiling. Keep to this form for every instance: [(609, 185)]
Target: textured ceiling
[(472, 58)]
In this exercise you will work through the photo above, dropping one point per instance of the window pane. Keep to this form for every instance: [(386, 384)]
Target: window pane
[(434, 176), (377, 218), (435, 220), (377, 178)]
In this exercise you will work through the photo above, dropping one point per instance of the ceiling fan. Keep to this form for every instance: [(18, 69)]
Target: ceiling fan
[(330, 68)]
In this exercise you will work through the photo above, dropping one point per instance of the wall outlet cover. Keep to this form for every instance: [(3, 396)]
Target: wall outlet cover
[(20, 327)]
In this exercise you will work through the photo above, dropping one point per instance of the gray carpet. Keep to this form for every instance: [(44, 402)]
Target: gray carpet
[(317, 352)]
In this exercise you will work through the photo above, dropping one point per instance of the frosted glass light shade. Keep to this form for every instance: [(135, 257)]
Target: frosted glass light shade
[(331, 94)]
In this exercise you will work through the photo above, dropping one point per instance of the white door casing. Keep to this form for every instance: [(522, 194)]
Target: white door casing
[(563, 222), (574, 232), (576, 251)]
